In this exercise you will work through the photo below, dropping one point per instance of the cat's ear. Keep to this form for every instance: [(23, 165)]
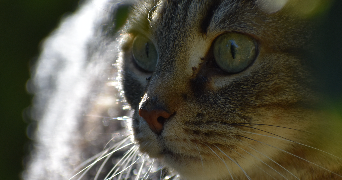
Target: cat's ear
[(301, 9), (121, 14), (271, 6)]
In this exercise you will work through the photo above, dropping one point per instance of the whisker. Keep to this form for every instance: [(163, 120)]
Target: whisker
[(128, 137), (253, 163), (105, 161), (289, 140), (128, 153), (86, 170), (108, 155), (294, 156), (272, 160), (92, 158), (130, 169), (124, 169), (234, 162), (161, 174), (148, 171), (134, 154), (121, 118), (126, 161), (270, 125), (101, 153), (97, 160), (200, 155), (261, 159), (221, 160), (140, 169), (101, 167)]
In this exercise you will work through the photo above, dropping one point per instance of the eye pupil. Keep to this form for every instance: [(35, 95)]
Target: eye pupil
[(234, 52), (233, 47), (144, 53), (147, 49)]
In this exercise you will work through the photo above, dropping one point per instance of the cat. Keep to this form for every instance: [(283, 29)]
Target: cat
[(184, 89)]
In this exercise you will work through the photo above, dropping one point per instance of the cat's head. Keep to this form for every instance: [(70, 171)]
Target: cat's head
[(211, 81)]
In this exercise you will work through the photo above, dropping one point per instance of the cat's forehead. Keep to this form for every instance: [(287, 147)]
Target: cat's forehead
[(214, 16), (183, 31), (203, 15), (196, 15), (170, 21)]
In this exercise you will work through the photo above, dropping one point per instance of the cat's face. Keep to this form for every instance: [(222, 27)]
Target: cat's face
[(215, 84)]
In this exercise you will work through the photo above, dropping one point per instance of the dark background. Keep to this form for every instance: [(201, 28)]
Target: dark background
[(23, 24)]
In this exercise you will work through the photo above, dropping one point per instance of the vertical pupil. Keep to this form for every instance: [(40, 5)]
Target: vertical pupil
[(147, 49), (233, 47)]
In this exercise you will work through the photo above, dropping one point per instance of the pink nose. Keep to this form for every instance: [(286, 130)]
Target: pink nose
[(155, 119)]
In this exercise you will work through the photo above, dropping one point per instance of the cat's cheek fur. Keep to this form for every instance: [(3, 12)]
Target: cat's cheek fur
[(175, 149), (196, 169), (146, 138)]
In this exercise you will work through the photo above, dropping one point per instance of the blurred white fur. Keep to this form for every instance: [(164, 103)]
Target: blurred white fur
[(63, 79)]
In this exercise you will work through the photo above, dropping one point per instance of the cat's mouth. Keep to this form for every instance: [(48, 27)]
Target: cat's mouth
[(167, 152), (169, 155)]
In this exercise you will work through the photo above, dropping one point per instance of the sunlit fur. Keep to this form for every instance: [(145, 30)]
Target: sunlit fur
[(262, 123), (266, 122)]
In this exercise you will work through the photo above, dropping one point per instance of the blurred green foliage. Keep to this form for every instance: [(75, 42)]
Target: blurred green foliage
[(327, 53), (121, 16)]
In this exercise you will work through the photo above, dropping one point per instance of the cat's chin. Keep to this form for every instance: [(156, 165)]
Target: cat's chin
[(193, 167), (188, 166)]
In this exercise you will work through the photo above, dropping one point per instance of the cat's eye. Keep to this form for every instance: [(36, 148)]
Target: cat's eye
[(234, 52), (144, 53)]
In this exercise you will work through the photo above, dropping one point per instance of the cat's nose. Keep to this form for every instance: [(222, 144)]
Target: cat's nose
[(155, 119)]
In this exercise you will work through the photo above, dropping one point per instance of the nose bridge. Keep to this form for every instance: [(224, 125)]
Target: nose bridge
[(170, 81), (177, 65), (167, 85), (164, 94)]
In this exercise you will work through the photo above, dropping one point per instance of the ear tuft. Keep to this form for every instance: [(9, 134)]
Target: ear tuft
[(271, 6), (299, 8)]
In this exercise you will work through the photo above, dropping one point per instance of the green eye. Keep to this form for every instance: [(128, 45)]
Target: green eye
[(234, 52), (144, 53)]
